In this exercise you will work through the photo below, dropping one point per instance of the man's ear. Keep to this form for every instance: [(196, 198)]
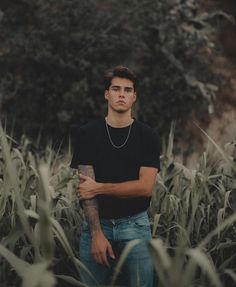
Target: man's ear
[(135, 97), (106, 94)]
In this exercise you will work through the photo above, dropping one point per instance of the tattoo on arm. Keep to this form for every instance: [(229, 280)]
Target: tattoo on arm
[(90, 206)]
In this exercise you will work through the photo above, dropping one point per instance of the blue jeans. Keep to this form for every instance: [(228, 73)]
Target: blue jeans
[(137, 269)]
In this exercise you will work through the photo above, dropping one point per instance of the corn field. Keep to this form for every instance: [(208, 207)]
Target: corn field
[(192, 213)]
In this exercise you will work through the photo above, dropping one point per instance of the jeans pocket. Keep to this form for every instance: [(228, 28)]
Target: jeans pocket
[(142, 223), (142, 228)]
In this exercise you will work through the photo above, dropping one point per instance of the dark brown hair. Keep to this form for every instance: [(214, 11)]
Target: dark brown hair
[(121, 72)]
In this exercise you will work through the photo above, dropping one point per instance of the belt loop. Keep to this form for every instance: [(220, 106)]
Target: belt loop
[(129, 219)]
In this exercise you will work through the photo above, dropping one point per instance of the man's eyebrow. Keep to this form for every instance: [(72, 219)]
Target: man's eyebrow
[(128, 88), (115, 86)]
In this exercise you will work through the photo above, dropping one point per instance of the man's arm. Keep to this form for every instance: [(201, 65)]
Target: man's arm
[(90, 206), (100, 245), (133, 188)]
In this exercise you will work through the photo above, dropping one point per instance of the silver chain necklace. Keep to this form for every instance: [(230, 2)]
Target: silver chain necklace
[(109, 136)]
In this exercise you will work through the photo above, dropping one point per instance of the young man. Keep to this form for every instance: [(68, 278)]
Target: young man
[(118, 160)]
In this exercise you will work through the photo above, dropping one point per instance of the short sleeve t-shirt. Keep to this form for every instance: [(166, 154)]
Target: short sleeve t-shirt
[(114, 165)]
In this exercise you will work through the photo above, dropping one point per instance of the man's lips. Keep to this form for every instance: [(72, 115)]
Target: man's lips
[(120, 102)]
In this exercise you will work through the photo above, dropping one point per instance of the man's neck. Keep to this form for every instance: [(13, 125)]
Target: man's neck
[(119, 121)]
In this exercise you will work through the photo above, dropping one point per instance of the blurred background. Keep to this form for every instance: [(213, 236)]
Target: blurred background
[(54, 53)]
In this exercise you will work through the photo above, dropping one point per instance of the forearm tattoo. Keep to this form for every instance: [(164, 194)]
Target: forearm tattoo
[(90, 206)]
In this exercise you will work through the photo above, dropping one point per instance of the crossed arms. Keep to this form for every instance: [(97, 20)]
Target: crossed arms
[(88, 188)]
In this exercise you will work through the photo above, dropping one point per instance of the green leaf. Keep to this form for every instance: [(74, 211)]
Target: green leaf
[(206, 265), (18, 264), (37, 275)]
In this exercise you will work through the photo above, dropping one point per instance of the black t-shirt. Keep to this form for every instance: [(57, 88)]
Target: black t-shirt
[(113, 165)]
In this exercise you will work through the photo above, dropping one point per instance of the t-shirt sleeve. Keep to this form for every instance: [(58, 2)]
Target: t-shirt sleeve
[(150, 153), (83, 152)]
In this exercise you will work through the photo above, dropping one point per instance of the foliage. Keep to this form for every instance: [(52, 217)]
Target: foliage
[(53, 55), (39, 216), (192, 213)]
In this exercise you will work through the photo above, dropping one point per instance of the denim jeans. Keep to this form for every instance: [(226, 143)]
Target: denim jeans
[(137, 269)]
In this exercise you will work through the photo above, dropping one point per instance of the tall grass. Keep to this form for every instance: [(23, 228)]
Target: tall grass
[(192, 213), (35, 202), (194, 218)]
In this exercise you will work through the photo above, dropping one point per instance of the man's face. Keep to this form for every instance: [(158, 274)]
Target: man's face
[(120, 95)]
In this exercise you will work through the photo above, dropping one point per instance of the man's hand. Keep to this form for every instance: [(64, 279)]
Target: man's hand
[(101, 248), (87, 187)]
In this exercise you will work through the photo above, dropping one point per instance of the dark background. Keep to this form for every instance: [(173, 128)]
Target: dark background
[(53, 55)]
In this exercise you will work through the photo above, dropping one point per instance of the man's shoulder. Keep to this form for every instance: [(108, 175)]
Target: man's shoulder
[(150, 138), (92, 125), (145, 128)]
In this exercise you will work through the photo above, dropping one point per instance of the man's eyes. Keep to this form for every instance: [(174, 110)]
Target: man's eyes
[(126, 90)]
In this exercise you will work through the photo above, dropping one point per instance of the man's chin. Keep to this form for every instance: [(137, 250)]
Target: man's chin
[(121, 111)]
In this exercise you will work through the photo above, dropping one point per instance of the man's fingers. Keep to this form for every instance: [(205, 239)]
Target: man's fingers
[(101, 258), (104, 259), (80, 181), (83, 177), (97, 258), (110, 252)]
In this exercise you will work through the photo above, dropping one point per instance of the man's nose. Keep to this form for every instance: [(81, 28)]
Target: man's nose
[(122, 93)]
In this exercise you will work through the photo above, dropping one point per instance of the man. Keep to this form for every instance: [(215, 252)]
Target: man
[(118, 160)]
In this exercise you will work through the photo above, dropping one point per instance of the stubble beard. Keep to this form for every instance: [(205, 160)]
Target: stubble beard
[(120, 111)]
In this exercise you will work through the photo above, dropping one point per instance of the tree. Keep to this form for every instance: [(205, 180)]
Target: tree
[(54, 54)]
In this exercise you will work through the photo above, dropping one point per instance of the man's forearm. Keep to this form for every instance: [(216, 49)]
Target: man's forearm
[(143, 186), (132, 188), (90, 206)]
